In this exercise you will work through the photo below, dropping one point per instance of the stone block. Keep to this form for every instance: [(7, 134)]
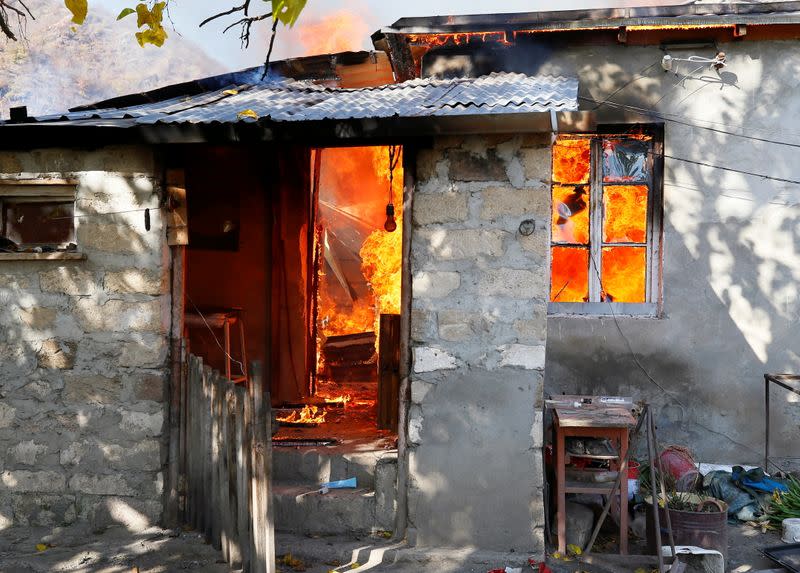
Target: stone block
[(532, 202), (72, 280), (514, 283), (468, 166), (415, 423), (455, 244), (44, 510), (426, 164), (537, 243), (119, 316), (142, 424), (534, 329), (429, 359), (135, 281), (148, 386), (434, 284), (420, 389), (142, 456), (72, 454), (7, 415), (522, 356), (58, 354), (447, 207), (536, 163), (114, 238), (456, 325), (423, 325), (38, 318), (20, 282), (26, 452), (100, 484), (87, 388), (537, 430), (24, 481), (145, 353), (133, 514)]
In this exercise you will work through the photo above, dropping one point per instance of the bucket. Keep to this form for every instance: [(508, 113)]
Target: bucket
[(708, 530), (791, 530), (633, 478)]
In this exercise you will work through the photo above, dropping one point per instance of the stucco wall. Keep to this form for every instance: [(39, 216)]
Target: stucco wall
[(731, 251), (83, 352), (478, 333)]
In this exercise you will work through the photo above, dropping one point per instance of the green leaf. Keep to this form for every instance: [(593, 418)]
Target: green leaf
[(287, 11), (126, 12), (79, 9), (142, 15)]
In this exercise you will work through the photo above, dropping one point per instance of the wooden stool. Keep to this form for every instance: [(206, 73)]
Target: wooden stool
[(223, 319), (596, 420)]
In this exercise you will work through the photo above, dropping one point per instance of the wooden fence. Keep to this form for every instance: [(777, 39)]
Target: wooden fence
[(226, 462)]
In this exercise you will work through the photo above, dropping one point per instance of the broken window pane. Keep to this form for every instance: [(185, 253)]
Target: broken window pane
[(569, 274), (39, 223), (625, 213), (571, 160), (624, 272), (625, 160), (571, 214)]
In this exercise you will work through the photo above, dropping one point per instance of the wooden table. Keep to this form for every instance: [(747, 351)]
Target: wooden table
[(595, 420)]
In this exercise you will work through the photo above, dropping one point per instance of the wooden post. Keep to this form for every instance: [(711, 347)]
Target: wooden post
[(216, 461), (389, 372), (262, 552), (177, 277)]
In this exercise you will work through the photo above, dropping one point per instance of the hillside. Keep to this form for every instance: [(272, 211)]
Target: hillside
[(59, 66)]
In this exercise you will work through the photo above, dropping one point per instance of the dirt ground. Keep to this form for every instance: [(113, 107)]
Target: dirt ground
[(155, 550)]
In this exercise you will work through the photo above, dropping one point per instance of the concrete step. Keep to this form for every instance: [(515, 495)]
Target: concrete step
[(316, 465), (338, 512)]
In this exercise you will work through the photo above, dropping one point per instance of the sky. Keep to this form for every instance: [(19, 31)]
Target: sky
[(329, 26)]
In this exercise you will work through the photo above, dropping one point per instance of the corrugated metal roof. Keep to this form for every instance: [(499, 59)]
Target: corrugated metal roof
[(655, 15), (295, 101)]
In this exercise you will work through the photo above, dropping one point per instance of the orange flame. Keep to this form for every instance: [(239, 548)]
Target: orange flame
[(459, 39), (338, 32), (358, 180), (308, 415)]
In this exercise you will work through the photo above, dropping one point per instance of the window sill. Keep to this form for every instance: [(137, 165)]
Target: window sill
[(603, 309), (57, 256)]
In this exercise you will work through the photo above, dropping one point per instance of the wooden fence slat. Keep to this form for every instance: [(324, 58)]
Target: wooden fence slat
[(229, 490), (262, 552), (223, 484), (206, 452), (216, 514), (243, 474)]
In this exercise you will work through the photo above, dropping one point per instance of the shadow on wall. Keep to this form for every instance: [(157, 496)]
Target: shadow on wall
[(731, 265), (83, 352)]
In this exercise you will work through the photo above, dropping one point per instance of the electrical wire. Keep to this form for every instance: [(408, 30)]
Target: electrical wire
[(214, 336), (652, 380), (671, 118)]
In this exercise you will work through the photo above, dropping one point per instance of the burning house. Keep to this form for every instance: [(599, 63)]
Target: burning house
[(419, 244)]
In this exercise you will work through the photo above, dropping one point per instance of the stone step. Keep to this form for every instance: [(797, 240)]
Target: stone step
[(338, 512), (317, 465)]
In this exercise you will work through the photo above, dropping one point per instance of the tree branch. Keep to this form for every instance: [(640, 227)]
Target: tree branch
[(243, 8)]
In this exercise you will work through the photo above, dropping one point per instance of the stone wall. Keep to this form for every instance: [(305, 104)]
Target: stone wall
[(83, 353), (479, 299)]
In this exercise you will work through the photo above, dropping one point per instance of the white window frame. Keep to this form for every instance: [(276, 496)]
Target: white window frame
[(652, 307)]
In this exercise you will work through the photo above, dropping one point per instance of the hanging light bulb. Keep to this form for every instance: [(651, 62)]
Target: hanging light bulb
[(390, 225)]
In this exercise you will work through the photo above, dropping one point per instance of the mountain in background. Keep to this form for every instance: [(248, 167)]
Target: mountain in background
[(58, 65)]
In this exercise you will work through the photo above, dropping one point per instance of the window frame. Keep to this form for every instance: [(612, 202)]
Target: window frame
[(38, 191), (653, 305)]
